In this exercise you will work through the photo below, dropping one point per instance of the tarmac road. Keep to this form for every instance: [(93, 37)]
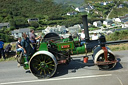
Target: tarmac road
[(76, 73)]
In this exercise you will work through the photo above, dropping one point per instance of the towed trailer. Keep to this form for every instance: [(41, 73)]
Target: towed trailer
[(54, 51)]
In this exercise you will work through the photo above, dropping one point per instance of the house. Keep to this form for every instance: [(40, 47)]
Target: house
[(80, 9), (122, 19), (121, 6), (4, 25), (89, 7), (75, 28), (117, 20), (71, 13), (125, 25), (104, 3), (33, 20), (18, 33), (97, 23), (108, 22), (56, 29)]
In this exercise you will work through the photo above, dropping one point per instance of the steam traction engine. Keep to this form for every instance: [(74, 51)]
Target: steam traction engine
[(53, 51)]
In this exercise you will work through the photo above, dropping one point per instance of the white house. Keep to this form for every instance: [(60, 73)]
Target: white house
[(56, 29), (121, 6), (33, 20), (18, 33), (122, 19), (97, 23), (71, 13), (125, 25), (75, 28), (117, 20), (108, 22), (105, 3), (80, 9)]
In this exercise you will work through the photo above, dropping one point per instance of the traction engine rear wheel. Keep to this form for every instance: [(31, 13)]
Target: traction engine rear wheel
[(43, 66)]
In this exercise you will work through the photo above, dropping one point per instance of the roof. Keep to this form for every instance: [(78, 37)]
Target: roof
[(21, 30), (4, 24), (98, 21)]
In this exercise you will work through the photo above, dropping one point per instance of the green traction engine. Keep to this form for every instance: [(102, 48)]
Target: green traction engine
[(54, 51)]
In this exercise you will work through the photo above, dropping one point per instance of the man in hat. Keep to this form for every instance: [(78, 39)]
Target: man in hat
[(82, 37), (2, 49)]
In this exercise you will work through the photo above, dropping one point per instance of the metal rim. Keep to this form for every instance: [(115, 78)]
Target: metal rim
[(42, 65)]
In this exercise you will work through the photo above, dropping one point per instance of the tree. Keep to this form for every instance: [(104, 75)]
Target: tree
[(34, 24), (12, 24)]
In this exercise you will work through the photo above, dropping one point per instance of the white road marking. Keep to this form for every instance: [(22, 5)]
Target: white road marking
[(119, 81), (55, 79)]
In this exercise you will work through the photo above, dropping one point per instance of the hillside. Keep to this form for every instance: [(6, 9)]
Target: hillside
[(18, 11), (70, 2)]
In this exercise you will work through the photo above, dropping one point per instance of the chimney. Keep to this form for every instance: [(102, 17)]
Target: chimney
[(85, 25)]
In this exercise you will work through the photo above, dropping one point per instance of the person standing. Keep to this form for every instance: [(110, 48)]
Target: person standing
[(33, 39), (2, 49), (28, 51)]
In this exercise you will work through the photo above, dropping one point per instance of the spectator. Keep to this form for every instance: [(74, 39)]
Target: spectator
[(28, 51), (19, 47), (95, 36), (33, 39), (82, 37), (8, 47), (2, 49)]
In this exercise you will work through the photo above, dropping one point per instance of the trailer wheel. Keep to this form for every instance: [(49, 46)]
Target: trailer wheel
[(43, 64)]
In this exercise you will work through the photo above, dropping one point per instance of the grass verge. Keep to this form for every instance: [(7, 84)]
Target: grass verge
[(119, 47)]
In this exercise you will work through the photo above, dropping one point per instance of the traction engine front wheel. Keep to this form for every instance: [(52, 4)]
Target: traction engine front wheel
[(43, 64)]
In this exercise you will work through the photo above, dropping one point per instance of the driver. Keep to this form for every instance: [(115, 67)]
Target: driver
[(33, 39)]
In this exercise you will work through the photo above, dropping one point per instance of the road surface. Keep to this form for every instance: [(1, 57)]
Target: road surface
[(76, 73)]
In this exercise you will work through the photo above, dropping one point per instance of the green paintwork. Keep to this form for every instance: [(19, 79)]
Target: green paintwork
[(76, 39), (26, 66), (66, 40), (59, 45), (43, 46), (78, 50)]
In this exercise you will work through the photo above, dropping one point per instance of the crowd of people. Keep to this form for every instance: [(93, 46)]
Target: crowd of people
[(24, 44), (27, 45)]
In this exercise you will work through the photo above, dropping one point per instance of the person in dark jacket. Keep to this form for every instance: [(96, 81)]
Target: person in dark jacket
[(8, 48), (28, 50)]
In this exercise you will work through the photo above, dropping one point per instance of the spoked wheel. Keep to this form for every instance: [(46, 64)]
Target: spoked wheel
[(43, 64), (101, 58)]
